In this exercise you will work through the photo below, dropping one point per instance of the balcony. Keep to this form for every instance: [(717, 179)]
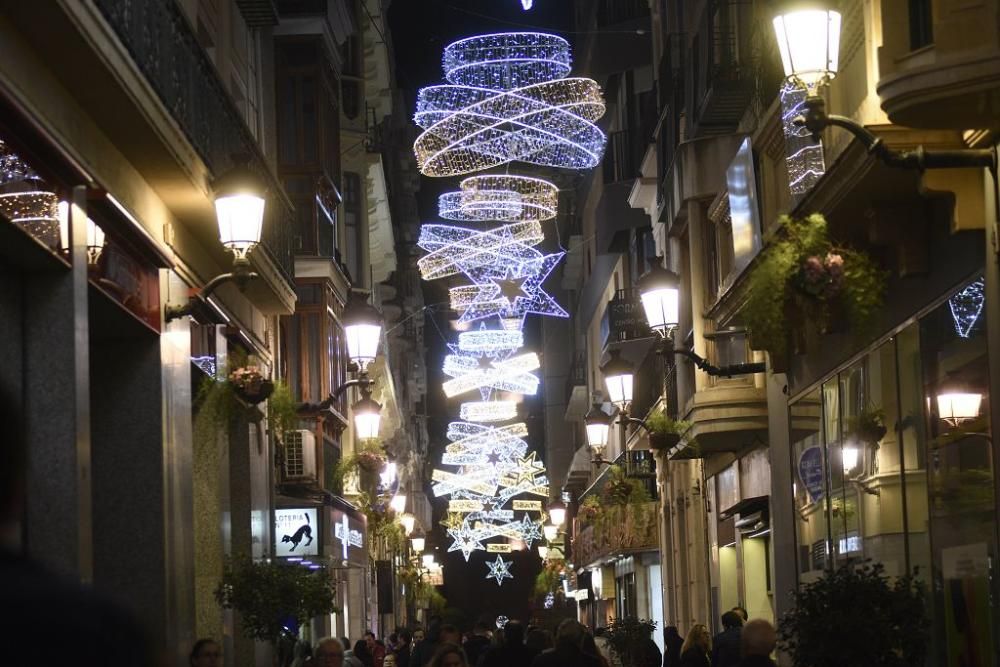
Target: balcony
[(619, 530), (577, 398), (619, 169)]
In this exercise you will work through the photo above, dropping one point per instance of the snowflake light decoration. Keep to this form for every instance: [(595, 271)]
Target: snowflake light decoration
[(500, 197), (966, 307), (466, 540), (499, 570), (507, 99), (453, 250)]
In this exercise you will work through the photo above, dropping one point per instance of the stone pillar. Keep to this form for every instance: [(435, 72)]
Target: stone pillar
[(57, 410), (783, 544)]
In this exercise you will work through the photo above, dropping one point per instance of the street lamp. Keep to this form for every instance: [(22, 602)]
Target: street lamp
[(849, 457), (398, 503), (408, 522), (808, 34), (597, 423), (418, 541), (956, 407), (660, 293), (367, 415), (363, 331), (239, 211), (551, 532), (618, 375), (543, 551), (95, 235), (428, 559), (557, 512)]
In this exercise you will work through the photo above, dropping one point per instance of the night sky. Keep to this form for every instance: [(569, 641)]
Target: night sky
[(421, 29)]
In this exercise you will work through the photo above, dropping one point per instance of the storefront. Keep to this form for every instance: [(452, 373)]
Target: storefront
[(891, 461), (346, 544)]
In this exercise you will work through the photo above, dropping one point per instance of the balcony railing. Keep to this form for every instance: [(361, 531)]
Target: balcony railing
[(165, 49), (618, 529)]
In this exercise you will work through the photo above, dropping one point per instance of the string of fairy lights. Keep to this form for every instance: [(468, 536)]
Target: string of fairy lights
[(508, 98)]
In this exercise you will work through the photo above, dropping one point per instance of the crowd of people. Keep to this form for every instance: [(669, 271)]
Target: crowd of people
[(740, 644)]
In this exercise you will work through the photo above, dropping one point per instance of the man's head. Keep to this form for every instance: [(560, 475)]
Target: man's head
[(758, 638), (418, 636), (742, 612), (404, 636), (450, 634), (731, 620), (480, 628), (370, 639), (329, 651), (570, 632), (513, 633)]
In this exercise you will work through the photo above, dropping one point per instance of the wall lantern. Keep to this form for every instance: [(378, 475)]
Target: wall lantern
[(95, 235), (408, 521), (428, 559), (618, 376), (367, 415), (660, 293), (239, 211), (543, 551), (551, 532), (956, 407), (418, 541), (597, 423), (849, 457), (363, 331), (808, 35), (557, 512), (398, 503)]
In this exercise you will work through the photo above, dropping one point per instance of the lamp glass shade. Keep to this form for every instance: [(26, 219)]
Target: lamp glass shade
[(849, 457), (388, 474), (428, 559), (543, 551), (660, 294), (408, 522), (367, 415), (550, 532), (619, 388), (95, 235), (398, 503), (418, 541), (809, 42), (597, 434), (362, 342), (241, 218), (557, 513), (957, 407)]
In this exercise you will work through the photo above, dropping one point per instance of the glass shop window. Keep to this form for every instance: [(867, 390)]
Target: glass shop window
[(809, 486)]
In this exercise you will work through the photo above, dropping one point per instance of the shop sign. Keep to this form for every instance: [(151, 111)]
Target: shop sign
[(294, 532), (528, 505), (581, 594), (349, 537), (501, 548), (627, 319), (811, 472), (465, 506)]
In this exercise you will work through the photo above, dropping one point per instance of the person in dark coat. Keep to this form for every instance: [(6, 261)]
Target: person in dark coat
[(672, 642), (759, 639), (477, 645), (568, 651), (726, 644), (425, 650), (402, 651), (697, 648), (510, 651)]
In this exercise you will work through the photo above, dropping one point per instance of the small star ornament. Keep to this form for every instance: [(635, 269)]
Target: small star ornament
[(499, 570)]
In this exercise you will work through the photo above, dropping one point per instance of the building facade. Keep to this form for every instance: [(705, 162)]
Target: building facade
[(111, 142), (777, 479)]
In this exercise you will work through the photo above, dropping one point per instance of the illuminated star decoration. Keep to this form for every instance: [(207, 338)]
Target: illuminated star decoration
[(966, 307), (530, 530), (465, 540), (509, 295), (499, 570), (508, 99)]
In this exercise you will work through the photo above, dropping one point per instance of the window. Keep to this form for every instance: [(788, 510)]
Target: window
[(353, 243), (921, 24)]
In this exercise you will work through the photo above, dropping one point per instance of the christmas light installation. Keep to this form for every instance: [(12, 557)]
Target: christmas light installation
[(499, 570), (508, 99), (486, 374), (803, 156), (489, 341), (500, 197), (26, 200), (966, 306), (509, 293), (488, 411), (452, 250)]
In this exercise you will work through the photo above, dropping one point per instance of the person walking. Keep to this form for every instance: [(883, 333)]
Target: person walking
[(205, 653), (425, 650), (404, 644), (568, 651), (329, 652), (672, 642), (511, 649), (375, 648), (759, 639), (449, 654), (477, 645), (696, 648), (726, 644)]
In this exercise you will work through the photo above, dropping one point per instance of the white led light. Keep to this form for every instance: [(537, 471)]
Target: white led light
[(488, 411), (501, 197)]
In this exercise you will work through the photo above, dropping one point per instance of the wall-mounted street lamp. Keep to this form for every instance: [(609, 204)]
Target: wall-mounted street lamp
[(808, 34), (557, 512), (659, 290), (239, 212), (618, 378), (408, 521), (418, 541), (551, 532), (543, 551), (95, 235), (598, 423), (398, 503)]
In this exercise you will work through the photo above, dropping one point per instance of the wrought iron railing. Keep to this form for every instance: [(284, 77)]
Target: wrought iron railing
[(161, 42)]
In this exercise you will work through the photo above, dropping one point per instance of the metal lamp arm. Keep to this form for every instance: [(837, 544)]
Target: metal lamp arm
[(720, 371), (241, 275)]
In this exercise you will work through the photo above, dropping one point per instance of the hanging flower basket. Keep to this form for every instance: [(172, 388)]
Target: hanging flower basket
[(249, 385), (369, 461), (663, 441)]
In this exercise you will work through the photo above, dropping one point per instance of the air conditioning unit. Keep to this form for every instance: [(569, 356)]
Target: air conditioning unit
[(300, 454)]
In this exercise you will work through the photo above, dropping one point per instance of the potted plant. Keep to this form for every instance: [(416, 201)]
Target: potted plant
[(664, 431), (630, 640), (868, 426), (249, 384), (856, 615), (370, 461), (589, 510), (273, 596), (803, 284)]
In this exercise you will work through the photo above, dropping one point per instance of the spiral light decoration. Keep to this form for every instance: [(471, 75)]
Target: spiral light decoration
[(500, 197)]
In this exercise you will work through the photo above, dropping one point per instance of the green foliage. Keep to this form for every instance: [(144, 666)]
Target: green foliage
[(267, 594), (803, 279), (282, 415), (589, 510), (868, 426), (627, 638), (371, 450), (857, 616), (549, 580), (659, 422), (622, 490)]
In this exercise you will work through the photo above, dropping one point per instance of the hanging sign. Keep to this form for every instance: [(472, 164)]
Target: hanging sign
[(528, 505), (294, 532), (498, 548)]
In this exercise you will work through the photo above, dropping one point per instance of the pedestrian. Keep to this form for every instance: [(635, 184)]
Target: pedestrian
[(726, 644), (476, 645), (450, 634), (389, 660), (742, 612), (568, 651), (402, 652), (538, 640), (449, 654), (418, 636), (759, 639), (424, 650), (590, 648), (205, 653), (363, 653), (375, 648), (672, 642), (696, 648), (510, 651), (329, 653)]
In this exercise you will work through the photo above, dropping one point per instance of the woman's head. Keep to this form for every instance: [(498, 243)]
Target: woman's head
[(698, 637), (206, 653), (449, 655)]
